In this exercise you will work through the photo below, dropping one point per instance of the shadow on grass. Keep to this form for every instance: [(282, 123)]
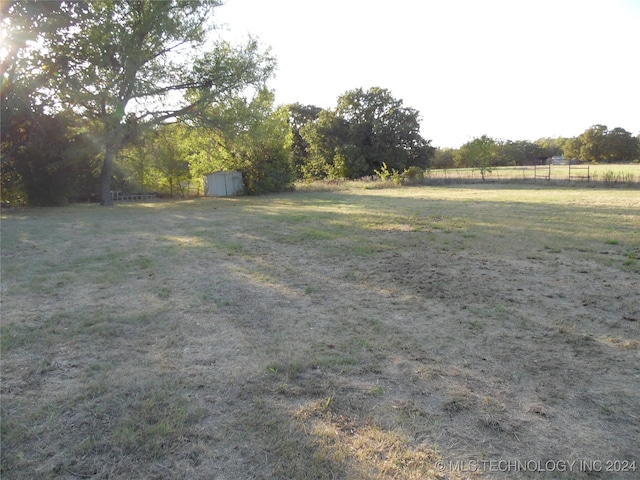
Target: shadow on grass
[(318, 298)]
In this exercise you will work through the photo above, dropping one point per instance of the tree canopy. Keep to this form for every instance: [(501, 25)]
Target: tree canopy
[(599, 144), (132, 63), (140, 95), (366, 130)]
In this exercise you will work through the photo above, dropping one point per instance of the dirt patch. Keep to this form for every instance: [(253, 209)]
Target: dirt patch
[(320, 335)]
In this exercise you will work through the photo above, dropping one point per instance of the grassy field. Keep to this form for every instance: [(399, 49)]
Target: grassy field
[(482, 331), (598, 175)]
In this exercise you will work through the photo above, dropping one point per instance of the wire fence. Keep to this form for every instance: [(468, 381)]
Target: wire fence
[(535, 173)]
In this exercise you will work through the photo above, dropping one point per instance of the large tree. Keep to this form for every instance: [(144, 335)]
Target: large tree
[(127, 63), (21, 113), (479, 153), (247, 135), (384, 130), (551, 146), (326, 140), (622, 146), (299, 116), (366, 130), (520, 152), (599, 144), (58, 161)]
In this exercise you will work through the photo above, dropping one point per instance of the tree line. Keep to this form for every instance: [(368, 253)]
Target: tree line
[(136, 95), (597, 144)]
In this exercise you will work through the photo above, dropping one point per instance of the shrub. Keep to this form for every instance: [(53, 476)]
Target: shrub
[(413, 175), (384, 173)]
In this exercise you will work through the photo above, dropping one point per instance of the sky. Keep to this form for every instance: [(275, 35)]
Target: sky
[(510, 69)]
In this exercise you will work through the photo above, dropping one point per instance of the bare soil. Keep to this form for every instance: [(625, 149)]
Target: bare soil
[(406, 333)]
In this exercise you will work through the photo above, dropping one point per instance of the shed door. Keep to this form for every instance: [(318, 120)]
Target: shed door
[(228, 184), (219, 185), (237, 182)]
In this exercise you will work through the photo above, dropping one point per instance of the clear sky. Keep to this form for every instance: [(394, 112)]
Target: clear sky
[(511, 69)]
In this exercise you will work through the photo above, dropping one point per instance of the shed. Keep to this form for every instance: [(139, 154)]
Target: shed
[(223, 184)]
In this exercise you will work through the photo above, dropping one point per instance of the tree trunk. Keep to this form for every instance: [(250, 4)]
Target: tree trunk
[(105, 177)]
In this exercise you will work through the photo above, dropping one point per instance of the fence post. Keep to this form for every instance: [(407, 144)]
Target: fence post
[(535, 173)]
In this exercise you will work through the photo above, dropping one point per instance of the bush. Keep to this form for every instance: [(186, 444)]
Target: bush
[(413, 175), (384, 173), (611, 178), (58, 162), (268, 174)]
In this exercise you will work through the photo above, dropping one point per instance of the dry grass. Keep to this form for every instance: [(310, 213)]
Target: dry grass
[(598, 175), (354, 333)]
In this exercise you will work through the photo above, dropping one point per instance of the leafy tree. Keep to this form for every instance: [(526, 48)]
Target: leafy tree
[(551, 147), (520, 152), (479, 153), (365, 131), (129, 62), (202, 151), (57, 162), (168, 158), (444, 158), (22, 22), (266, 155), (263, 153), (299, 116), (135, 161), (383, 129), (328, 138), (590, 145), (621, 146), (598, 144), (247, 135)]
